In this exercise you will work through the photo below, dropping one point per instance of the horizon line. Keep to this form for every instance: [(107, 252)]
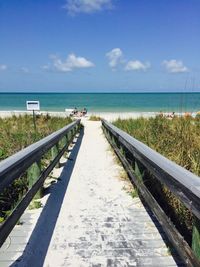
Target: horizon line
[(96, 92)]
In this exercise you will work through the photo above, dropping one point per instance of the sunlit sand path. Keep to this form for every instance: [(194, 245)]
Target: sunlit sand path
[(90, 219), (99, 223)]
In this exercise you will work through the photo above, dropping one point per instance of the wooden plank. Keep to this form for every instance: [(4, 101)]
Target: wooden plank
[(10, 222), (12, 167), (196, 238), (33, 174), (174, 236), (19, 160), (182, 183), (54, 153)]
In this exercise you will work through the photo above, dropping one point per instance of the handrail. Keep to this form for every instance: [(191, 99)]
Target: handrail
[(165, 170), (13, 167), (182, 183)]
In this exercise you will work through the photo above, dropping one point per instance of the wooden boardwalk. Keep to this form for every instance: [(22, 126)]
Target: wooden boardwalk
[(89, 218)]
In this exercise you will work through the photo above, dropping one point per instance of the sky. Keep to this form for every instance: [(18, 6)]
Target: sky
[(99, 45)]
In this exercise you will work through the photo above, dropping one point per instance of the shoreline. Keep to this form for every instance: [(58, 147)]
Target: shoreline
[(110, 116)]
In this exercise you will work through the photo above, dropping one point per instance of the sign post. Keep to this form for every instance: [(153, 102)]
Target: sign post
[(33, 106)]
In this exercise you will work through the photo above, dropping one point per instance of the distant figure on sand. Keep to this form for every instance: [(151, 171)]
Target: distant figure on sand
[(84, 111), (75, 111), (172, 115)]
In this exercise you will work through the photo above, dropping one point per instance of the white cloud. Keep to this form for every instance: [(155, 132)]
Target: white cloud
[(115, 57), (72, 62), (175, 66), (87, 6), (3, 67), (137, 65), (25, 69)]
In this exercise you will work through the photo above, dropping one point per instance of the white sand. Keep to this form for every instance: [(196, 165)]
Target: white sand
[(110, 116)]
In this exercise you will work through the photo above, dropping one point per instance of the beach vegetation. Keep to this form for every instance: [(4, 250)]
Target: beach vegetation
[(134, 193), (94, 118), (35, 204), (177, 139), (16, 133)]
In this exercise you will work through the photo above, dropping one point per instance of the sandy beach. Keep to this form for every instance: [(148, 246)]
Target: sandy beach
[(110, 116)]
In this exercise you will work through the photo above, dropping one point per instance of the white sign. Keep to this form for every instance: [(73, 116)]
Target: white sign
[(33, 105)]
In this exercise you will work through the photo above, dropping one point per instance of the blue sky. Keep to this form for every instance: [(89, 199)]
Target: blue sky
[(99, 45)]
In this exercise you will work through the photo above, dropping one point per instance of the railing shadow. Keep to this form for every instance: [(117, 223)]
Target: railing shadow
[(172, 250), (36, 249)]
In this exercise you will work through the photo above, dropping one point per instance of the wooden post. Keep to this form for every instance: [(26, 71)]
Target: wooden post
[(75, 129), (196, 238), (112, 139), (34, 121), (121, 149), (33, 175), (138, 171), (54, 153), (69, 136), (73, 132), (64, 141)]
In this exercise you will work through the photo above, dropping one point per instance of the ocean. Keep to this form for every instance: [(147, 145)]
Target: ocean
[(105, 102)]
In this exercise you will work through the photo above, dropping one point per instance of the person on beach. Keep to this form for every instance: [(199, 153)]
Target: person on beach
[(172, 115), (84, 112), (75, 111)]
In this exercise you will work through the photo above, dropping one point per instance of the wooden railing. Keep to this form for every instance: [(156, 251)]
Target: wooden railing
[(141, 162), (29, 160)]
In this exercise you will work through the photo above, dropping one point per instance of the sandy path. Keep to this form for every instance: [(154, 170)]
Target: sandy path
[(99, 223)]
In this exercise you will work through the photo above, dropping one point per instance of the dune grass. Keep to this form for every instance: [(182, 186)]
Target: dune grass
[(17, 133), (178, 139), (94, 118)]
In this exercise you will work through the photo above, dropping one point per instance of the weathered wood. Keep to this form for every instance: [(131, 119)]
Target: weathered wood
[(196, 238), (54, 153), (12, 167), (182, 183), (64, 141), (136, 175), (11, 221), (33, 174)]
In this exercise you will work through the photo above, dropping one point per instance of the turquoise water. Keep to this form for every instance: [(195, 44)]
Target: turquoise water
[(104, 101)]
